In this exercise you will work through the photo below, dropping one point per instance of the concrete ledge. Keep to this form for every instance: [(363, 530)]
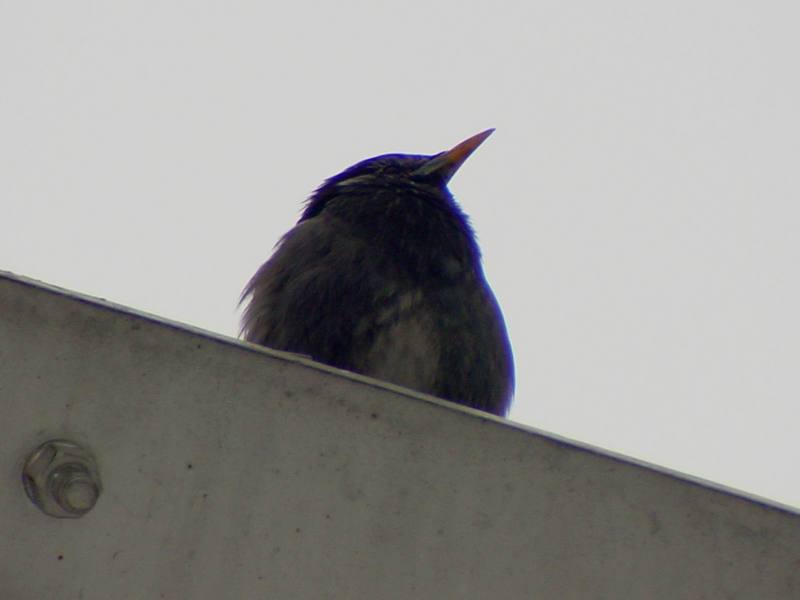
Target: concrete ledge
[(230, 471)]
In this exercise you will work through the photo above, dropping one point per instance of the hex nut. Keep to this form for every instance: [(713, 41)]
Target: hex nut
[(62, 479)]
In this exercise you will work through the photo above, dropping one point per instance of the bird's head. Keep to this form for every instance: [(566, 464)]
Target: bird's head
[(411, 173), (400, 204)]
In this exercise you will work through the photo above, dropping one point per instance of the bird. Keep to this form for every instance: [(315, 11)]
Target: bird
[(382, 276)]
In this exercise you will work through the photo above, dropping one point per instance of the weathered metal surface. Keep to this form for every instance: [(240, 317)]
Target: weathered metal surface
[(230, 471)]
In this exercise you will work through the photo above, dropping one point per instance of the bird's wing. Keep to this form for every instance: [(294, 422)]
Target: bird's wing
[(332, 296), (328, 294)]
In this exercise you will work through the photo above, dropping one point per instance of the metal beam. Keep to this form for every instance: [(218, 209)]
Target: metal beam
[(230, 471)]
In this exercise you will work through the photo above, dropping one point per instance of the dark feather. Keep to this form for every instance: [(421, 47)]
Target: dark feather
[(382, 276)]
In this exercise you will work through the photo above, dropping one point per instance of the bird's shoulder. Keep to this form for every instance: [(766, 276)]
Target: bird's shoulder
[(318, 283)]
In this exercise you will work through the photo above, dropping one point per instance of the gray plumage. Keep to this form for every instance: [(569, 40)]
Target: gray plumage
[(382, 276)]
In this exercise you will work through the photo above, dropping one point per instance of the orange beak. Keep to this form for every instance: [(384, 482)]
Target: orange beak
[(445, 164)]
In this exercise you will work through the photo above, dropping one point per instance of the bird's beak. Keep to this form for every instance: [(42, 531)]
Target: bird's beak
[(445, 164)]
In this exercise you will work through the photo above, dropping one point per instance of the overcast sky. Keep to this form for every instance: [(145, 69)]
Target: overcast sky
[(637, 206)]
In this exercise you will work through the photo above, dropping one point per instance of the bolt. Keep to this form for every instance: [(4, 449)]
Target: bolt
[(72, 487), (61, 478)]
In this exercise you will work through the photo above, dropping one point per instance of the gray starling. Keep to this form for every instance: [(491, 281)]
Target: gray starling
[(382, 276)]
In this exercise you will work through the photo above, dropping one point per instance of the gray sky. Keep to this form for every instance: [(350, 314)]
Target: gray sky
[(637, 206)]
